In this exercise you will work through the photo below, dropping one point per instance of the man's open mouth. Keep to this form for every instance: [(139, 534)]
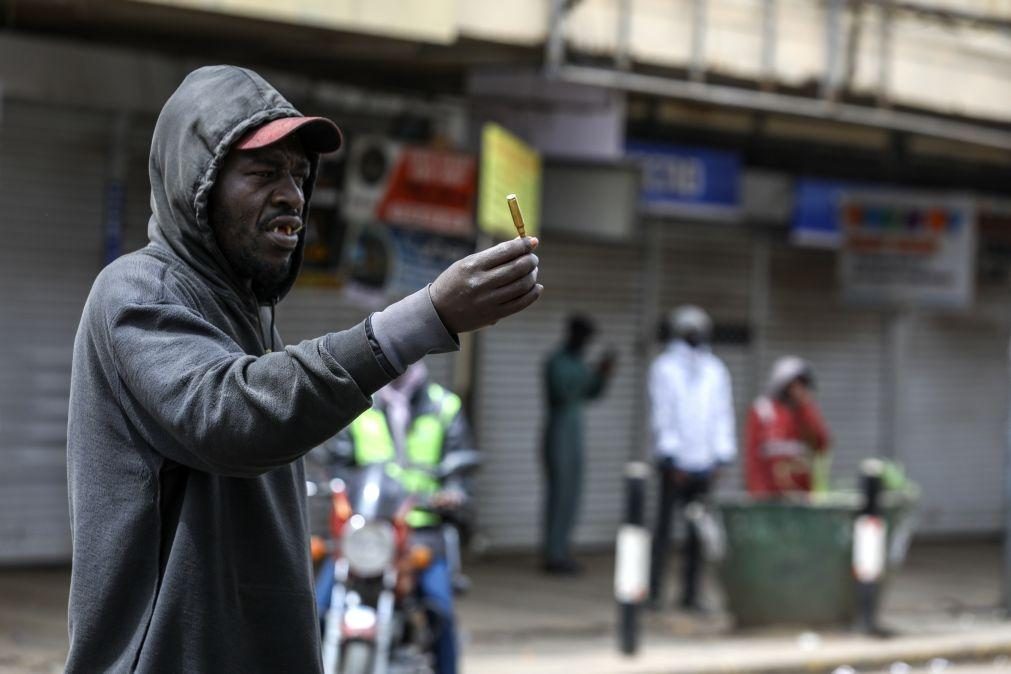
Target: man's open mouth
[(283, 232), (287, 226)]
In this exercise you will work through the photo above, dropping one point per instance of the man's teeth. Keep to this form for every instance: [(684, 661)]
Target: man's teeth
[(287, 229)]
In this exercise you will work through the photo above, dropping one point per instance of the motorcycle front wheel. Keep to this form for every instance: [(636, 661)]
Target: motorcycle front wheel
[(357, 658)]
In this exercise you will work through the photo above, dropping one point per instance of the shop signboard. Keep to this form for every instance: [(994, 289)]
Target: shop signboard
[(389, 262), (413, 187), (816, 212), (687, 181), (508, 166), (900, 248)]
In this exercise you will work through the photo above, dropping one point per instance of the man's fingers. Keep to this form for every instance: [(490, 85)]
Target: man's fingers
[(507, 273), (521, 302), (503, 252), (517, 288)]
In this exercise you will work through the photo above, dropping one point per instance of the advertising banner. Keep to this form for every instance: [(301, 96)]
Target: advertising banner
[(687, 181), (907, 248), (508, 166), (391, 262), (413, 187)]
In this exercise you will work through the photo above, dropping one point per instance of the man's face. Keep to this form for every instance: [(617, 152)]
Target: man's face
[(255, 211)]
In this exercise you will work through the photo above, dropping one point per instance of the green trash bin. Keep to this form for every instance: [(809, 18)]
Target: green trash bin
[(790, 562)]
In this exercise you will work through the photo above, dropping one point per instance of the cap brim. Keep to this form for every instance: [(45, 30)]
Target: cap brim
[(318, 134)]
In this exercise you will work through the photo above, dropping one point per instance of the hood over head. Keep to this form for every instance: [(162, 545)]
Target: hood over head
[(214, 108)]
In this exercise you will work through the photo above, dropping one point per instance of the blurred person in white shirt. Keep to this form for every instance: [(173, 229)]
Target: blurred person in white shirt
[(692, 419)]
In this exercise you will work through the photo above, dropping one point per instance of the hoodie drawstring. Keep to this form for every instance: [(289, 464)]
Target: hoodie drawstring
[(259, 320), (273, 304)]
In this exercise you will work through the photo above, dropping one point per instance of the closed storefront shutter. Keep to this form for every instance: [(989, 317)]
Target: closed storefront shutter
[(846, 346), (52, 178), (309, 312), (952, 421), (605, 282)]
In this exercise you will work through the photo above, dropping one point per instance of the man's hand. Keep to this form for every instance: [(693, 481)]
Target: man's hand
[(485, 287)]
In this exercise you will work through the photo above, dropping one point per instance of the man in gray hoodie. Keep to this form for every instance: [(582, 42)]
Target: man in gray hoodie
[(188, 414)]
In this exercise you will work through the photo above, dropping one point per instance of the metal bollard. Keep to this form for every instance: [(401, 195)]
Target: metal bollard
[(631, 569), (870, 535)]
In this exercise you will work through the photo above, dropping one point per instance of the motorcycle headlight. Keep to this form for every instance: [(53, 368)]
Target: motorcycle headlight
[(369, 548)]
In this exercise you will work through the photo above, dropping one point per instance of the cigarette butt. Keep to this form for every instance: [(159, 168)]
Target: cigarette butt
[(514, 208)]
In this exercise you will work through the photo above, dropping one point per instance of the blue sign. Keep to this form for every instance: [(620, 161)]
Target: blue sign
[(678, 180), (816, 212)]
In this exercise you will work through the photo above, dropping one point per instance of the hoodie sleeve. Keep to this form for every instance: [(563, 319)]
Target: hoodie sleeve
[(231, 413)]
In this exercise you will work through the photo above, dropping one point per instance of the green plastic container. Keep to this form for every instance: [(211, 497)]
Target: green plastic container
[(790, 562)]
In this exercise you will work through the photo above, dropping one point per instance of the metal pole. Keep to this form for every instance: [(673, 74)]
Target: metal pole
[(631, 569), (769, 19), (1007, 512), (622, 59), (115, 188), (761, 267), (869, 547), (833, 30), (698, 63), (650, 312), (554, 56), (947, 14), (885, 51), (797, 106)]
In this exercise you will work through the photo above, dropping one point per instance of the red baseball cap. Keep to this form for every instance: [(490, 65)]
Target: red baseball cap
[(318, 134)]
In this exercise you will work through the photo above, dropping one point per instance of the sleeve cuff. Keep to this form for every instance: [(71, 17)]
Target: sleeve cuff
[(408, 330)]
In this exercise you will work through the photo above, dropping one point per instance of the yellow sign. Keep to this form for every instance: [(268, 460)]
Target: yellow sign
[(508, 166)]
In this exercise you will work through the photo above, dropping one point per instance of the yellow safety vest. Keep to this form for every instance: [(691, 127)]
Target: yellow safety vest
[(373, 443)]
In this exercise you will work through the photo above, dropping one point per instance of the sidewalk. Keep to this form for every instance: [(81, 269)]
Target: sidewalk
[(944, 604)]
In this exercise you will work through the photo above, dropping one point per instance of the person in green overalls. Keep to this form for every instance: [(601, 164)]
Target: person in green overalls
[(569, 382)]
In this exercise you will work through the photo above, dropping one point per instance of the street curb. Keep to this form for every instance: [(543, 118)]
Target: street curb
[(863, 654), (917, 654)]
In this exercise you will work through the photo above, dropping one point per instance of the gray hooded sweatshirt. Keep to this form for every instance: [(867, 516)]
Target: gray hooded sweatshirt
[(188, 419)]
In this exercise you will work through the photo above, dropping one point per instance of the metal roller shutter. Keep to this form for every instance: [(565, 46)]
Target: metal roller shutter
[(847, 348), (604, 281), (952, 418), (309, 312), (711, 266), (52, 175)]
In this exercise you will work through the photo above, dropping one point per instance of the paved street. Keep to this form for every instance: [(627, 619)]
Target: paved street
[(944, 603)]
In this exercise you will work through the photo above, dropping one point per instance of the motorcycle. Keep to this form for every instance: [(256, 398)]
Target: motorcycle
[(375, 622)]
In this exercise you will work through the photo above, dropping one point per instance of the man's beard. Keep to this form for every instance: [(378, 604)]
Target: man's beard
[(268, 281), (240, 247)]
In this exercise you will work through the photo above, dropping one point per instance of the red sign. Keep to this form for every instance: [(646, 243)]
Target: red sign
[(412, 187)]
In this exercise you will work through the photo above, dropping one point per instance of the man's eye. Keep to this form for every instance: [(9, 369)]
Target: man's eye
[(262, 174)]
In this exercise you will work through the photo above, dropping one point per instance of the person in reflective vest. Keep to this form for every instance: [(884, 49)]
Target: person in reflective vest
[(413, 421)]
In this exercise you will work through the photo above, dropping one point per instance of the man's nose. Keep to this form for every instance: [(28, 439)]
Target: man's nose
[(289, 194)]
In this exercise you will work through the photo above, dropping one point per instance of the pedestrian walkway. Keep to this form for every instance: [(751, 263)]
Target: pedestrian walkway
[(943, 605)]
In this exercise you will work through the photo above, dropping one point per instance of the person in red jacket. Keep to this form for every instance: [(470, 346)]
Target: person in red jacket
[(785, 428)]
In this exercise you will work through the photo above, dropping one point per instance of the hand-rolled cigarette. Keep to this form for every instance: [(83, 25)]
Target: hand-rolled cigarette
[(514, 208)]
